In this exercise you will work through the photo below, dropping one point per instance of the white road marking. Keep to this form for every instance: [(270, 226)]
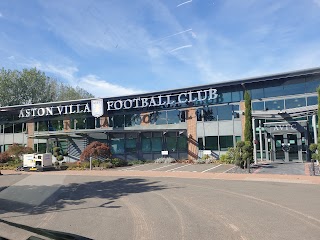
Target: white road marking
[(178, 167), (163, 167), (126, 169), (211, 168), (229, 169)]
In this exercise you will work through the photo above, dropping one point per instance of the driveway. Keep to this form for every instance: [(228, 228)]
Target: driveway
[(105, 207), (283, 168)]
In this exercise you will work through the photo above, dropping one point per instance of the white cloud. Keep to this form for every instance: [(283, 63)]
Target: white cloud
[(11, 58), (90, 82), (102, 88)]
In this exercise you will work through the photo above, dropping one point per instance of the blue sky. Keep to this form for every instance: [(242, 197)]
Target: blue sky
[(120, 47)]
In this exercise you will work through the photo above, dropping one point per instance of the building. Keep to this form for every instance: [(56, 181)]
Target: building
[(184, 122)]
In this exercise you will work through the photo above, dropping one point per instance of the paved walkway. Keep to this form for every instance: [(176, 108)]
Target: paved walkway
[(184, 174)]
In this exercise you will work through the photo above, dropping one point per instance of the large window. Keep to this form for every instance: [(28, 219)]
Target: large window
[(171, 140), (118, 121), (211, 143), (258, 106), (117, 145), (224, 112), (210, 114), (295, 102), (274, 105), (182, 143), (225, 142), (312, 100), (131, 145), (173, 116), (146, 142)]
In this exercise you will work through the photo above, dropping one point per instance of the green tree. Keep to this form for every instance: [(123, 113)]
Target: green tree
[(248, 118), (33, 86)]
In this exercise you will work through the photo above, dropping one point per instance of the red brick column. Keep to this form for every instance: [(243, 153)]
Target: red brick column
[(192, 134), (66, 125), (30, 132), (145, 118), (104, 122)]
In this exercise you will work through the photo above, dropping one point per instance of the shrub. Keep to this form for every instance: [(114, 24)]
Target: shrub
[(117, 162), (17, 150), (135, 162), (97, 150), (106, 165), (95, 163), (200, 161), (4, 157), (165, 160)]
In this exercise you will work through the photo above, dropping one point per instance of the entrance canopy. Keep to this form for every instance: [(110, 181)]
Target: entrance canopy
[(287, 113)]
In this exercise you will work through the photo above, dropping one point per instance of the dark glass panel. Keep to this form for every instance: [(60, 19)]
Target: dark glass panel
[(118, 121), (131, 145), (43, 126), (225, 142), (275, 105), (146, 142), (156, 144), (182, 116), (90, 123), (273, 91), (225, 112), (295, 102), (257, 93), (173, 116), (237, 96), (171, 143), (224, 97), (294, 88), (80, 122), (312, 100), (211, 143), (182, 143), (258, 106), (210, 114), (8, 128), (312, 83), (18, 127), (117, 145), (199, 114)]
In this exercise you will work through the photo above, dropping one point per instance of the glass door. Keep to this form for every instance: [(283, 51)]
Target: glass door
[(278, 143), (293, 147)]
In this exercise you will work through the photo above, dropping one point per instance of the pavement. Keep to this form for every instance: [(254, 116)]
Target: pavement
[(132, 204)]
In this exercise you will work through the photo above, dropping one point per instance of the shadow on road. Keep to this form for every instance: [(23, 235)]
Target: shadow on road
[(36, 200)]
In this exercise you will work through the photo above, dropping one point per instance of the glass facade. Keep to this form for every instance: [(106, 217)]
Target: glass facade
[(219, 112)]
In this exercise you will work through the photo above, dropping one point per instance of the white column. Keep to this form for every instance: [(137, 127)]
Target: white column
[(260, 141), (254, 139), (314, 125)]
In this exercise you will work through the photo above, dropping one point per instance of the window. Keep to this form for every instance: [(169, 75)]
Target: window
[(182, 116), (42, 126), (275, 105), (296, 88), (312, 83), (257, 93), (238, 138), (237, 96), (80, 122), (211, 143), (173, 116), (146, 142), (18, 127), (160, 117), (258, 106), (8, 128), (42, 147), (117, 146), (171, 141), (182, 143), (118, 121), (131, 145), (156, 144), (199, 114), (224, 97), (225, 142), (235, 110), (90, 123), (312, 100), (273, 91), (210, 114), (55, 125), (132, 120), (295, 102), (225, 112)]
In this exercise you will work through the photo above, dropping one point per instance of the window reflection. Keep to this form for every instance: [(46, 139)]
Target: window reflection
[(275, 105), (295, 102)]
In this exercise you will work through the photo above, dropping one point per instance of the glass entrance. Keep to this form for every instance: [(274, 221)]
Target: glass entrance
[(288, 147), (293, 147), (279, 153)]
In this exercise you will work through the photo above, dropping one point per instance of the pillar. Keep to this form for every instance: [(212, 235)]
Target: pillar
[(191, 119), (30, 132), (242, 117)]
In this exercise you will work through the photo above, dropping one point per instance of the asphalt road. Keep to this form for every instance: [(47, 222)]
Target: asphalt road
[(158, 208)]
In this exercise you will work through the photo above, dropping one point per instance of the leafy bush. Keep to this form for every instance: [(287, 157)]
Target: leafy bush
[(97, 150), (106, 165), (4, 157), (117, 162), (200, 161), (17, 150), (95, 163), (165, 160), (135, 162)]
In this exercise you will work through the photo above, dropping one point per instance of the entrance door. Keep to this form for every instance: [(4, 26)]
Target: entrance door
[(287, 147)]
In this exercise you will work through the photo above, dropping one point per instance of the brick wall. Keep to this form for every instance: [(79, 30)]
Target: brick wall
[(192, 134), (66, 125), (30, 131)]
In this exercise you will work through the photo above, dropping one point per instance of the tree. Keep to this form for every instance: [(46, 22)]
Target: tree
[(97, 150), (248, 118), (33, 86), (315, 148), (16, 151)]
